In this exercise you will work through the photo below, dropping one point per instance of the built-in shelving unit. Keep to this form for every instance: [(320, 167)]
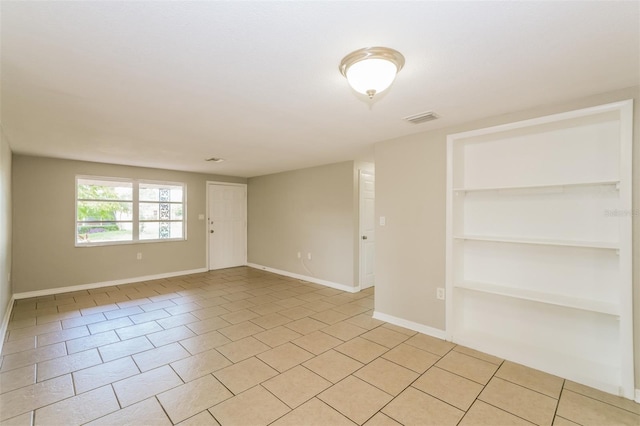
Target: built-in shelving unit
[(539, 244)]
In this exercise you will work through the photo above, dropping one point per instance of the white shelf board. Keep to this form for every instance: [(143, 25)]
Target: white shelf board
[(542, 297), (539, 241), (541, 186)]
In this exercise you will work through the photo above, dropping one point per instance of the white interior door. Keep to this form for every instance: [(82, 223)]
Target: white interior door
[(367, 228), (227, 225)]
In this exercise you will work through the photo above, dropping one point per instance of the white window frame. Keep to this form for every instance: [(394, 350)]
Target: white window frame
[(135, 220)]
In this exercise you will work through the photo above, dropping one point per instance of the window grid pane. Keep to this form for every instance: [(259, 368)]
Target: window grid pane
[(108, 212)]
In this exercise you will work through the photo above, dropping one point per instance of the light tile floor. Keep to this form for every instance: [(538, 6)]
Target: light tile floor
[(246, 347)]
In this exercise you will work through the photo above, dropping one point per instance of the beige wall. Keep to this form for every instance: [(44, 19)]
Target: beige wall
[(5, 225), (410, 192), (309, 210), (44, 253)]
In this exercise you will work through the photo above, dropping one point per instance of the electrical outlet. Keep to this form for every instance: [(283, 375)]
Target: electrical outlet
[(440, 293), (309, 256), (299, 255), (139, 256)]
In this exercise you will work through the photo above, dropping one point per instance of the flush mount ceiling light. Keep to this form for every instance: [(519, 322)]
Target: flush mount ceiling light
[(371, 70)]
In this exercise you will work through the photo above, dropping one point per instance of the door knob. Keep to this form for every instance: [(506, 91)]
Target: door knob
[(364, 237)]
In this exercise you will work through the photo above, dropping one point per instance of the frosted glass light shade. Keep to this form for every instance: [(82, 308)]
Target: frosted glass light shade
[(371, 76), (371, 70)]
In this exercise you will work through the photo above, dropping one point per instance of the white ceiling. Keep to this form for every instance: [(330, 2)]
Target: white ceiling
[(168, 84)]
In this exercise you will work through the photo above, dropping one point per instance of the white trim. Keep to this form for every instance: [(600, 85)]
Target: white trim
[(58, 290), (615, 106), (331, 284), (420, 328), (246, 214), (638, 396), (5, 322)]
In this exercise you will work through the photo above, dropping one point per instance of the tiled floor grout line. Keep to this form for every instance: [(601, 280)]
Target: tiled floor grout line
[(598, 400), (244, 287)]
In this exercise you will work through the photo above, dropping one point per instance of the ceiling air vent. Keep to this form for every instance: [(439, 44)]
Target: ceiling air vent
[(423, 117)]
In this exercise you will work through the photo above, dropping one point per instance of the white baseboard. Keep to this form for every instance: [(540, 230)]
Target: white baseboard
[(58, 290), (331, 284), (5, 322), (420, 328), (637, 396)]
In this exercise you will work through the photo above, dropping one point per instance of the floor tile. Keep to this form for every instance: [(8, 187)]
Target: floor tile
[(147, 412), (25, 419), (100, 327), (285, 356), (483, 414), (271, 321), (317, 342), (355, 399), (385, 337), (242, 349), (449, 387), (205, 326), (296, 386), (245, 374), (277, 336), (32, 356), (333, 365), (532, 379), (297, 313), (78, 409), (177, 320), (305, 325), (83, 320), (189, 399), (362, 350), (123, 312), (20, 345), (125, 348), (62, 335), (480, 355), (254, 407), (618, 401), (204, 418), (430, 344), (154, 358), (292, 342), (561, 421), (171, 335), (413, 407), (204, 342), (199, 365), (241, 330), (239, 316), (15, 379), (411, 357), (149, 316), (102, 374), (399, 329), (29, 398), (387, 376), (67, 364), (590, 412), (144, 385), (525, 403), (381, 420), (92, 341), (463, 365), (344, 330), (313, 413)]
